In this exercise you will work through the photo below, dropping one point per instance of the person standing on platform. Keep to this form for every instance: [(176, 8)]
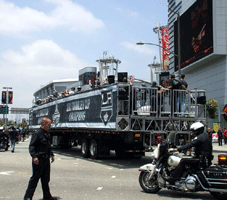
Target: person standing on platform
[(220, 136), (40, 151)]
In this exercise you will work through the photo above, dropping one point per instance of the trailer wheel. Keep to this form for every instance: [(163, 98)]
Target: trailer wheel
[(85, 149), (94, 149)]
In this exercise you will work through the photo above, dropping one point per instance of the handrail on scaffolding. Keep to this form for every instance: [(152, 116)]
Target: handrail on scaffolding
[(161, 102)]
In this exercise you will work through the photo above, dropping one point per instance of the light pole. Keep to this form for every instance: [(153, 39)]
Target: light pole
[(7, 88)]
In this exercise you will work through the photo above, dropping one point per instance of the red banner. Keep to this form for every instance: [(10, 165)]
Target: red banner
[(165, 50)]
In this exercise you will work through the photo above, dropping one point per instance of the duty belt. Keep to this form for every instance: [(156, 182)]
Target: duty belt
[(44, 156)]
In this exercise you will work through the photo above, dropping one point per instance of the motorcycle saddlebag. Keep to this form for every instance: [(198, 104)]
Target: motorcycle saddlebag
[(217, 177)]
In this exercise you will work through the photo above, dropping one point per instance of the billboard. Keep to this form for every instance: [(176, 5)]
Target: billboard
[(196, 33), (165, 49)]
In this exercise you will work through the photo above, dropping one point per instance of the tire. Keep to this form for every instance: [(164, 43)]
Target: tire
[(6, 146), (85, 149), (94, 149), (148, 186), (219, 195)]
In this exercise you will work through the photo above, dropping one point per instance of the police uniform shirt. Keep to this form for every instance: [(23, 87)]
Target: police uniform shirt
[(40, 145)]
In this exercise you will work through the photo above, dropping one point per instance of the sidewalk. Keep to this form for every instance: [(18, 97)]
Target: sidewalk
[(219, 149)]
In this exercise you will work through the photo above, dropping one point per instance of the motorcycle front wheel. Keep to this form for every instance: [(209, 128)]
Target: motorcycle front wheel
[(219, 195), (149, 186)]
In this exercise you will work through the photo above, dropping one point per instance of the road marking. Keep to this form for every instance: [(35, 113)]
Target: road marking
[(25, 173), (113, 177), (6, 173), (20, 173), (99, 188)]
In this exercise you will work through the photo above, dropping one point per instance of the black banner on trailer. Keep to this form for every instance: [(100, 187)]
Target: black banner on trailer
[(89, 109)]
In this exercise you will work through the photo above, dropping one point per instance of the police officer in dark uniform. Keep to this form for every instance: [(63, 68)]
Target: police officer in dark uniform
[(40, 151), (203, 152)]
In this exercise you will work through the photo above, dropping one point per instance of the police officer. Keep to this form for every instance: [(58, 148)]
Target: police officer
[(203, 152), (40, 151)]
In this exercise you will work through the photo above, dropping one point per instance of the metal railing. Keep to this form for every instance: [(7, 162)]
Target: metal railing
[(161, 102)]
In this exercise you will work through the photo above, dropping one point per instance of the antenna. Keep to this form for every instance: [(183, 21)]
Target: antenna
[(104, 54)]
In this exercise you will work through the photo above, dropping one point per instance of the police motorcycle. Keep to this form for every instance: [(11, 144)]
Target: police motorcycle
[(212, 179)]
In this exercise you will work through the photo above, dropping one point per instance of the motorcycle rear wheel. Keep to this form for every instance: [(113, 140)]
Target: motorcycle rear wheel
[(219, 195), (149, 186)]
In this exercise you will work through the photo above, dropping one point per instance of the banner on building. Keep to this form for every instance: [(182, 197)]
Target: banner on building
[(10, 97), (4, 95), (165, 50)]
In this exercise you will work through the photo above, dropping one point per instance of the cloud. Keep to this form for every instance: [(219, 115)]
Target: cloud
[(16, 20), (37, 64), (42, 58), (128, 12), (139, 49)]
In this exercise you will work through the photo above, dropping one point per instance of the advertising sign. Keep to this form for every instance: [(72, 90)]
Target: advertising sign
[(196, 33), (165, 49), (10, 97), (91, 109), (4, 95)]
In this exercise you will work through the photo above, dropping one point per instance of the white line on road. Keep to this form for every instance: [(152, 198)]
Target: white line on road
[(99, 188), (6, 173), (113, 177)]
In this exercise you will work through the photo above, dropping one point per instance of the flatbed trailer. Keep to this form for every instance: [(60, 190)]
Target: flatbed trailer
[(106, 118), (121, 115)]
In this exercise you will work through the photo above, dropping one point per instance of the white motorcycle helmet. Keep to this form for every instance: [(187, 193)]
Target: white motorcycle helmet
[(197, 128)]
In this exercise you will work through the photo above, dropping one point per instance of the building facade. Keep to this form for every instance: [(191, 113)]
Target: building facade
[(206, 64)]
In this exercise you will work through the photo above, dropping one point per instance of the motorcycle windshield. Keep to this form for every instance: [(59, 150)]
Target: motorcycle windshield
[(170, 139)]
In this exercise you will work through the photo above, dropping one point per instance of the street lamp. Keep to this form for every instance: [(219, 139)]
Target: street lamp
[(142, 43)]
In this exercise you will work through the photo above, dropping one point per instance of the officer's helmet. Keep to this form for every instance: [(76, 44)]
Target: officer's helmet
[(197, 128)]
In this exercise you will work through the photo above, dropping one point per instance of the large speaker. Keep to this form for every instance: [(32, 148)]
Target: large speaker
[(123, 77), (111, 79)]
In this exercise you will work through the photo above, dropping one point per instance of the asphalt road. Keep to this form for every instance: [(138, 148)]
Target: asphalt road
[(73, 177)]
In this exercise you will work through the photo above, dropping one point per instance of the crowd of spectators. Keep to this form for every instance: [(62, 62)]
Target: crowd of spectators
[(66, 93), (57, 95)]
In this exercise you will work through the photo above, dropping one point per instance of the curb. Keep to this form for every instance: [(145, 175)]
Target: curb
[(220, 151)]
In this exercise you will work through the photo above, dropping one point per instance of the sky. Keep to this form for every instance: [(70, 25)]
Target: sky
[(45, 40)]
